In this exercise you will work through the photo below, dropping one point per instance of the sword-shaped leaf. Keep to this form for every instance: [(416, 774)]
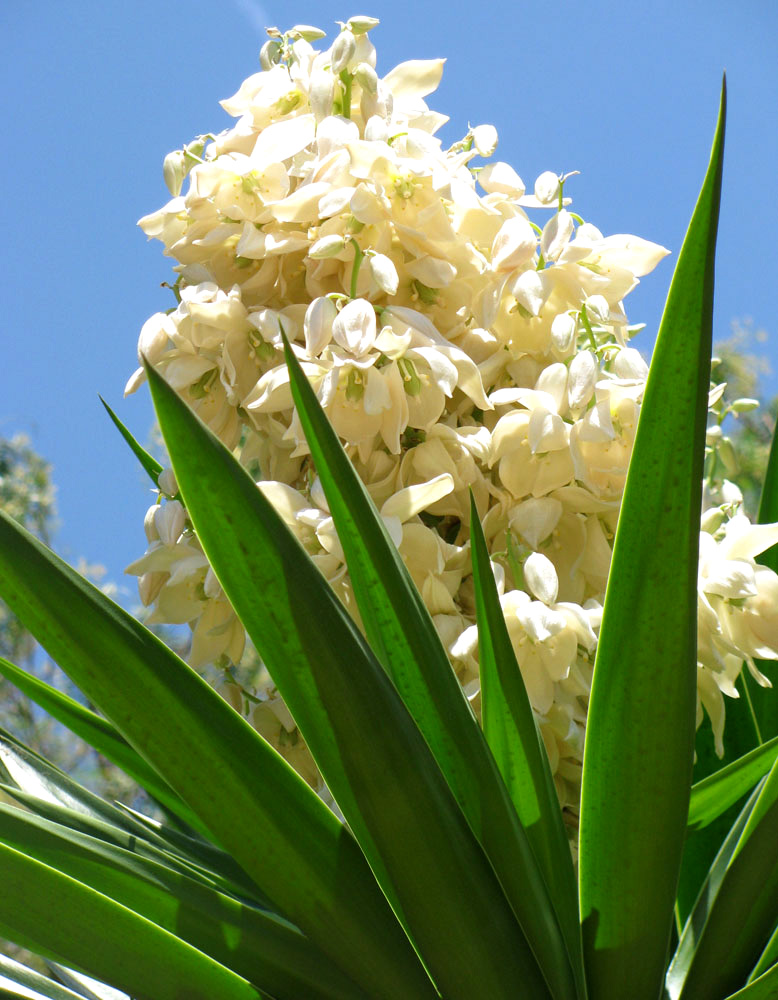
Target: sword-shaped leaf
[(258, 808), (370, 752), (715, 794), (71, 922), (150, 465), (32, 984), (99, 734), (641, 723), (735, 914), (515, 740), (402, 633), (260, 946)]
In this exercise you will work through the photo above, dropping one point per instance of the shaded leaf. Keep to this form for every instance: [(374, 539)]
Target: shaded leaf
[(277, 829), (99, 734), (394, 798), (401, 631)]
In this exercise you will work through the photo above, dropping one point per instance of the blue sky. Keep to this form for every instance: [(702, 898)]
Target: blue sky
[(97, 93)]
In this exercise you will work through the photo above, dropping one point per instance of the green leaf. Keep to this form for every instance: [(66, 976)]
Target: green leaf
[(767, 959), (765, 701), (733, 920), (763, 988), (641, 723), (768, 503), (702, 844), (715, 794), (99, 734), (276, 828), (260, 946), (394, 797), (35, 985), (47, 786), (91, 988), (400, 630), (149, 463), (119, 837), (515, 740), (694, 925), (39, 904)]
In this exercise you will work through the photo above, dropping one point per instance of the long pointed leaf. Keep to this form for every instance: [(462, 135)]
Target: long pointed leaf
[(640, 731), (261, 947), (40, 778), (400, 630), (768, 502), (715, 794), (732, 922), (513, 735), (767, 959), (763, 988), (119, 837), (91, 988), (106, 939), (370, 752), (765, 702), (702, 844), (274, 825), (99, 734), (35, 985), (150, 465), (695, 925)]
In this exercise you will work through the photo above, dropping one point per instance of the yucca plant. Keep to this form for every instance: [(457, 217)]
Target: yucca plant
[(451, 874)]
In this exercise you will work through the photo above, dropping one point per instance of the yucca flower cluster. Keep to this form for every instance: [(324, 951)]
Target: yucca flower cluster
[(462, 334)]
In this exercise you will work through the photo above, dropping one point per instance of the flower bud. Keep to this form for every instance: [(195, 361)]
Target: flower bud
[(563, 330), (629, 363), (318, 495), (713, 436), (547, 188), (384, 272), (174, 171), (327, 246), (485, 139), (361, 24), (744, 405), (530, 291), (513, 245), (149, 586), (731, 493), (597, 308), (270, 53), (170, 521), (366, 77), (167, 482), (376, 129), (342, 52), (581, 380), (149, 526), (317, 325), (308, 32), (154, 336), (726, 453), (712, 520), (321, 93), (556, 235), (541, 578)]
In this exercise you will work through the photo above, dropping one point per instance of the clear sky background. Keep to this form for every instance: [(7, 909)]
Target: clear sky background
[(97, 93)]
